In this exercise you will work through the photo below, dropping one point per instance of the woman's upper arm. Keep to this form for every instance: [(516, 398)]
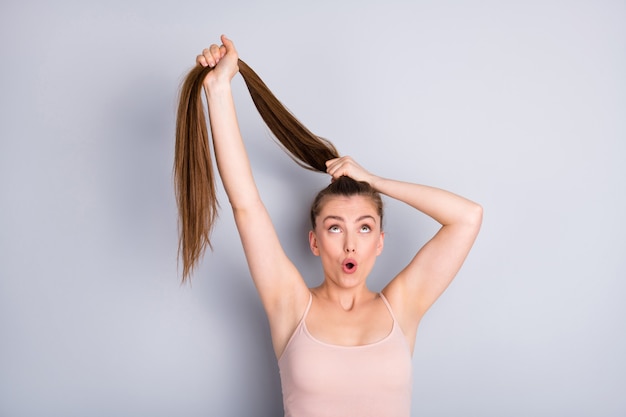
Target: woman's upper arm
[(414, 290), (280, 285)]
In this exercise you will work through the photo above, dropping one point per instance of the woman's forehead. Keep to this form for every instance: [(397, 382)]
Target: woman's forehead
[(354, 204)]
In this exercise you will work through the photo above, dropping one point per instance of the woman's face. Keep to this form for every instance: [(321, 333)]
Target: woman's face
[(347, 238)]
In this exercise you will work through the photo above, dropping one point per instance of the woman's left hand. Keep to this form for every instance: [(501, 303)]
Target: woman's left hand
[(347, 166), (222, 58)]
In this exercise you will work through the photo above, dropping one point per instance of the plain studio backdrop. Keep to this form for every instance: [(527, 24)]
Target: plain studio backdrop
[(517, 105)]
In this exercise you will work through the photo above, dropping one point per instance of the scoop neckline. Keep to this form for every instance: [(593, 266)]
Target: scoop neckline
[(333, 345)]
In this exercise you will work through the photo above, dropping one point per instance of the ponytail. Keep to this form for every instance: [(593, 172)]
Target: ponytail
[(193, 168)]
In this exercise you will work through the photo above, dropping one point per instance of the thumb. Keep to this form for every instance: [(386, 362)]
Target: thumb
[(228, 44)]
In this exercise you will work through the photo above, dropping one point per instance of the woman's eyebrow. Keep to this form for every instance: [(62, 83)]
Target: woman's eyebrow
[(333, 217), (366, 216)]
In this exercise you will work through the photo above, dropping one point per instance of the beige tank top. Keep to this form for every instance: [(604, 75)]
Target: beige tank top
[(324, 380)]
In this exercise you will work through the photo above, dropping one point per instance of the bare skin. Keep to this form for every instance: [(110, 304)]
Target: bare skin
[(348, 233)]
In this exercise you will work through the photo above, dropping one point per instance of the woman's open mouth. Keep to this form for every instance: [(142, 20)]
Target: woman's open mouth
[(349, 266)]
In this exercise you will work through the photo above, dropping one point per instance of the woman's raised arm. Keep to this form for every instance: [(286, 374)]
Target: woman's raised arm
[(413, 291), (283, 292)]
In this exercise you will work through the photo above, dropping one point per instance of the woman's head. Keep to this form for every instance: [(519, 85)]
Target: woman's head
[(346, 187)]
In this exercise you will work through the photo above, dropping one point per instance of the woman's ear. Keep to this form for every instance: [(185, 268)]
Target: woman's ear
[(313, 243)]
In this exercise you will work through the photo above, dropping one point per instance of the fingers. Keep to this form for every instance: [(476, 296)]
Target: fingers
[(346, 166), (341, 166), (212, 55)]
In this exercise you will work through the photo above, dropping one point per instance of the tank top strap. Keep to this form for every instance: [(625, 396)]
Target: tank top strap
[(382, 296), (308, 307)]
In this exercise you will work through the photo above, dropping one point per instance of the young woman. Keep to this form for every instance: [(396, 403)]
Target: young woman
[(342, 349)]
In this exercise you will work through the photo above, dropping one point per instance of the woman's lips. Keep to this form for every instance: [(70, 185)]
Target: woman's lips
[(349, 266)]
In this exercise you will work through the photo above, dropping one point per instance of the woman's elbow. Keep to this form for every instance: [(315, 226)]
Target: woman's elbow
[(474, 215)]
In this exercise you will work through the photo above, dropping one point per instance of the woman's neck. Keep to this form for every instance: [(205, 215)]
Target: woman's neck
[(346, 298)]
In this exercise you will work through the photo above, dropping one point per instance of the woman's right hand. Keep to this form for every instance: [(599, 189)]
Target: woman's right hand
[(223, 59), (347, 166)]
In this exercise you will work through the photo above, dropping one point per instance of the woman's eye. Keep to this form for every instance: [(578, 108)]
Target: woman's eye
[(365, 229), (334, 229)]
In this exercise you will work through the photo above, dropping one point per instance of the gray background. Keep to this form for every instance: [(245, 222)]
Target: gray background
[(517, 105)]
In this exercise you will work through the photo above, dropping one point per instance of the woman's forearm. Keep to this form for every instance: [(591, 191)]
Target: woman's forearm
[(445, 207), (232, 159)]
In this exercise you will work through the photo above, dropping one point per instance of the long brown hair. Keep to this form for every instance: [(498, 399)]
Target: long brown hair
[(193, 167)]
